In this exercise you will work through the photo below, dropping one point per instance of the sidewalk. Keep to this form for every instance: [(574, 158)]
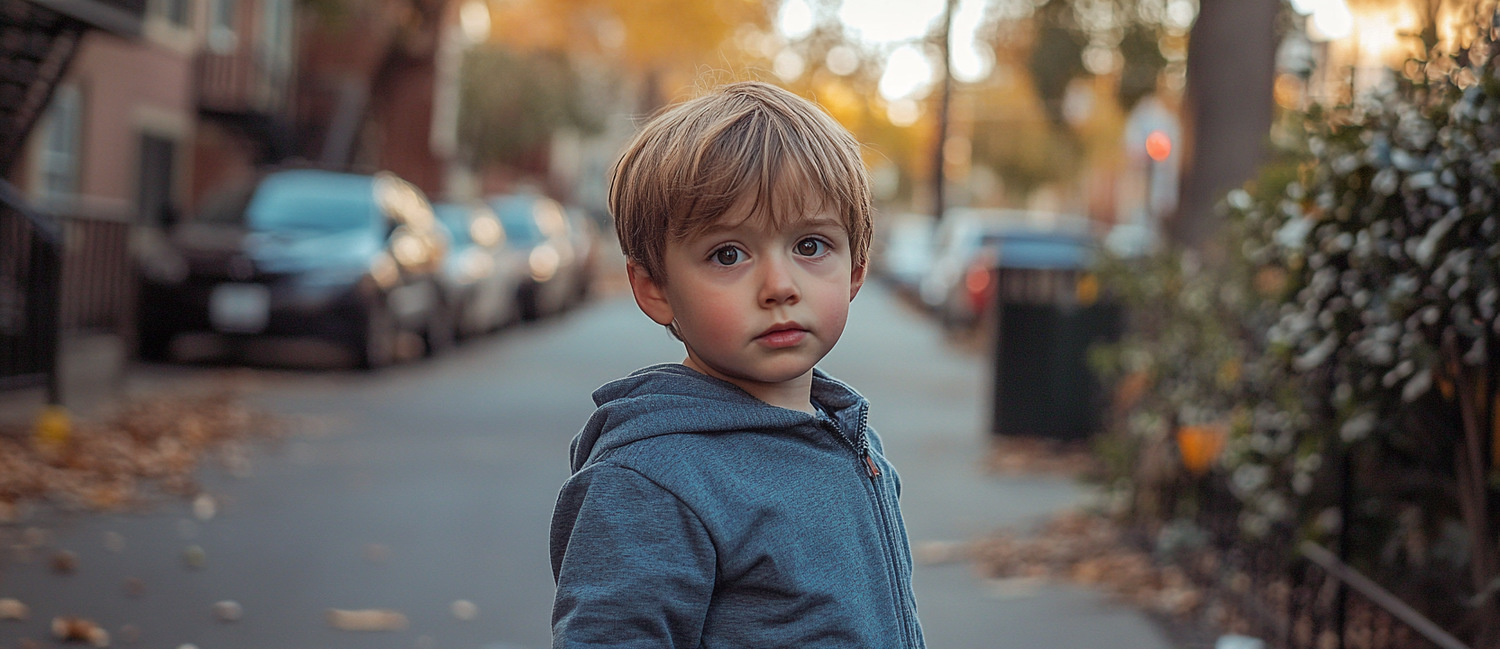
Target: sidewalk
[(929, 401)]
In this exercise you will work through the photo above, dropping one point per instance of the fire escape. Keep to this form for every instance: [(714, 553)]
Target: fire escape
[(38, 39)]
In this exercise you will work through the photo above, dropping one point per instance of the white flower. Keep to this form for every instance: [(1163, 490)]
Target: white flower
[(1250, 477), (1416, 387), (1357, 427)]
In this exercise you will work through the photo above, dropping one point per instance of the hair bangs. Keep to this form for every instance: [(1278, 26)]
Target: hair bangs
[(762, 167), (745, 150)]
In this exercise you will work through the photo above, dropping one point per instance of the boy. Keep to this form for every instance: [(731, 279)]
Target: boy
[(737, 499)]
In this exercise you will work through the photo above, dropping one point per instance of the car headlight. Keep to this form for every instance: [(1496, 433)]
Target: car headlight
[(383, 269), (543, 262)]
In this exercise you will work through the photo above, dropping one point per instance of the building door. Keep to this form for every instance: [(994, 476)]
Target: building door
[(155, 190)]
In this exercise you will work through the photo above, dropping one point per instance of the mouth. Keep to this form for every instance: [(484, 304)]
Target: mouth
[(782, 335)]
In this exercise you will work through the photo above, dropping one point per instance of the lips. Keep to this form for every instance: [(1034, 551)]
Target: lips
[(782, 335)]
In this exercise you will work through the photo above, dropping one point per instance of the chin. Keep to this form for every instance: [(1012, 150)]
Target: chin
[(780, 372)]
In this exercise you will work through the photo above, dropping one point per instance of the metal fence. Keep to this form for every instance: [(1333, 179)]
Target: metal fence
[(1300, 596), (97, 280), (30, 288)]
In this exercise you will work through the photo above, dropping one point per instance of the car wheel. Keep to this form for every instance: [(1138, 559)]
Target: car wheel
[(526, 299), (439, 336), (377, 347), (154, 343)]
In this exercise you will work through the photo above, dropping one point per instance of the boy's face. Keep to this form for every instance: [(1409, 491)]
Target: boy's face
[(755, 304)]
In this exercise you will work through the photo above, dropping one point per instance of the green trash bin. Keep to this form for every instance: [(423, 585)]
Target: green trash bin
[(1047, 315)]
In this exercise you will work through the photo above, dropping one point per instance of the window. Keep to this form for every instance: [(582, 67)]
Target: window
[(276, 37), (154, 189), (62, 139), (221, 19), (177, 12)]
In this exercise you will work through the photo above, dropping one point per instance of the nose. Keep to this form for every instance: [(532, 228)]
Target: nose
[(777, 284)]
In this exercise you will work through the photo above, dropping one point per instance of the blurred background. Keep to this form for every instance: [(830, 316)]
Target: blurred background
[(1192, 267)]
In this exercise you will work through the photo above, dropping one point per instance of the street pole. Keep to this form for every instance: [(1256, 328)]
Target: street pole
[(938, 158)]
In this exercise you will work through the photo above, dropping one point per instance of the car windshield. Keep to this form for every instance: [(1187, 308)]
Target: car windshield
[(455, 218), (318, 201), (519, 220)]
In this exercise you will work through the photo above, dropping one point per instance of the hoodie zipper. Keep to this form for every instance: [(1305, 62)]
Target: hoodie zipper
[(862, 449)]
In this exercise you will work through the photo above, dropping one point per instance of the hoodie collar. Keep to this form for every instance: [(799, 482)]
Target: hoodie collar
[(670, 398)]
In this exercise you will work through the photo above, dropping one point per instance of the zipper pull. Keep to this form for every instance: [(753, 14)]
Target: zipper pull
[(874, 471)]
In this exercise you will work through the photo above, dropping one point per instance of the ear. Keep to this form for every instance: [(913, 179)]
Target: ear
[(649, 295), (857, 280)]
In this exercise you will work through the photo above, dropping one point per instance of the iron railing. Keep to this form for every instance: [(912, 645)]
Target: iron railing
[(30, 290), (1300, 595), (97, 275)]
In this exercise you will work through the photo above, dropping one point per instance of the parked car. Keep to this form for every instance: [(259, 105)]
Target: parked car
[(353, 259), (904, 252), (583, 231), (538, 226), (483, 271), (967, 246)]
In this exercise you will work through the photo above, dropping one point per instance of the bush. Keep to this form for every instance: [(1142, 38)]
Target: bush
[(1354, 319)]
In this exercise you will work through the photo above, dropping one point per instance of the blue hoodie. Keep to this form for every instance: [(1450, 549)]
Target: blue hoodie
[(700, 516)]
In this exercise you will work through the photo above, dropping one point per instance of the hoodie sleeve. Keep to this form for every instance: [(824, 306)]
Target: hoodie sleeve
[(634, 566)]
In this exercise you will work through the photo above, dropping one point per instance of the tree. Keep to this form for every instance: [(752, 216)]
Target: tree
[(512, 103), (1231, 65)]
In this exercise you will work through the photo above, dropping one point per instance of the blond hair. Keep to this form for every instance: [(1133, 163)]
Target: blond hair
[(692, 163)]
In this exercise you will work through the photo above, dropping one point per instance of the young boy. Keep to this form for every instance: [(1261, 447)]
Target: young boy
[(737, 499)]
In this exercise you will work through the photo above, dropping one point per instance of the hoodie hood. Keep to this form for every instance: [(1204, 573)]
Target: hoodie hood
[(670, 399)]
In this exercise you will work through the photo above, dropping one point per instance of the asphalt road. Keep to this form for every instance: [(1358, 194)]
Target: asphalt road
[(433, 482)]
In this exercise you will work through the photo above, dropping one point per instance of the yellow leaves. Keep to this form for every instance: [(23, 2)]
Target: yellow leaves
[(643, 34), (841, 103)]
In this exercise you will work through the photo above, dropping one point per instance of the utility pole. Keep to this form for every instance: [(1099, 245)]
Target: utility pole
[(938, 162)]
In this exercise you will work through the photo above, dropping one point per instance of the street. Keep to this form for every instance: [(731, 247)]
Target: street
[(429, 486)]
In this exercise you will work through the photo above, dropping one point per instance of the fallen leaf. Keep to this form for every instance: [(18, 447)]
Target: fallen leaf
[(194, 557), (68, 628), (366, 619), (14, 609), (64, 562), (114, 542), (134, 587), (937, 552), (464, 610), (204, 507), (228, 611)]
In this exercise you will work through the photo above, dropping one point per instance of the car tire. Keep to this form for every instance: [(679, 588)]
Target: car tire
[(529, 306), (377, 345), (439, 335), (154, 343)]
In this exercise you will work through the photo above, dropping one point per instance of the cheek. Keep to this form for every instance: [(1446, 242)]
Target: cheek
[(832, 306), (712, 320)]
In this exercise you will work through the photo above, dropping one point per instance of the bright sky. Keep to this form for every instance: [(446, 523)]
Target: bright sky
[(893, 28)]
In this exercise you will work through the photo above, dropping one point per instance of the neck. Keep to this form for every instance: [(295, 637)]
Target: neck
[(794, 394)]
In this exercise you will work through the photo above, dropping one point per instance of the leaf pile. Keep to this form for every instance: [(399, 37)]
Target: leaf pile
[(151, 445), (1032, 455), (1089, 550)]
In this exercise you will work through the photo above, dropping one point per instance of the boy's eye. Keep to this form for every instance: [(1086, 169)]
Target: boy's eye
[(727, 256), (811, 247)]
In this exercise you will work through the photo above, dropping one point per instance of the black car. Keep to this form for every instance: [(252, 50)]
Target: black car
[(353, 259)]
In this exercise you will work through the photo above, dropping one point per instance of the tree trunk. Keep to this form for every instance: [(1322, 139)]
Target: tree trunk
[(1231, 67)]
